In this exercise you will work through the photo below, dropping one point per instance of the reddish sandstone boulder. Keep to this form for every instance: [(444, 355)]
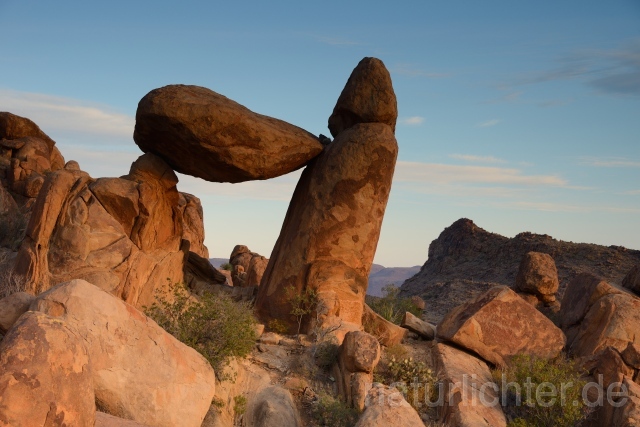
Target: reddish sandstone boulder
[(368, 97), (331, 230), (204, 134), (499, 324), (45, 375), (538, 275)]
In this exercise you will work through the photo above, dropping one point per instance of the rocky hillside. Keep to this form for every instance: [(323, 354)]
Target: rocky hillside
[(466, 260), (381, 276)]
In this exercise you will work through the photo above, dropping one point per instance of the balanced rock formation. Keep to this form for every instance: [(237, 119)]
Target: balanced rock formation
[(498, 325), (125, 235), (368, 97), (45, 375), (140, 372), (538, 276), (201, 133)]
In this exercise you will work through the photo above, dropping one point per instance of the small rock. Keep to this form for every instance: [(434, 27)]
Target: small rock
[(418, 326), (270, 338)]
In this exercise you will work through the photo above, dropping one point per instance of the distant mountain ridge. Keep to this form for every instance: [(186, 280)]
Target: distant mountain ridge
[(466, 260)]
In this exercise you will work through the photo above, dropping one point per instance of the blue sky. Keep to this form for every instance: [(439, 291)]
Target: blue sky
[(523, 116)]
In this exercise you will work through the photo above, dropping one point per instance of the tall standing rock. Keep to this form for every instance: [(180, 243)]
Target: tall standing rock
[(331, 230), (367, 97), (204, 134)]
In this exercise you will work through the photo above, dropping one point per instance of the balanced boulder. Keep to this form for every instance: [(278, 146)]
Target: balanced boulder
[(140, 372), (498, 325), (204, 134), (45, 375), (368, 97)]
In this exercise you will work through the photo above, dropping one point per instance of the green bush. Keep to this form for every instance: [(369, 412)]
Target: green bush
[(226, 266), (331, 412), (532, 409), (391, 306), (215, 325), (239, 404), (302, 303), (416, 382), (278, 326)]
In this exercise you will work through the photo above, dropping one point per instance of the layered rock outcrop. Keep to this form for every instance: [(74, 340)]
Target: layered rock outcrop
[(125, 235), (204, 134)]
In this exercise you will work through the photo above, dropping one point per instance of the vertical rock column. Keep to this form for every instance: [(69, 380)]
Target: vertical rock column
[(331, 230)]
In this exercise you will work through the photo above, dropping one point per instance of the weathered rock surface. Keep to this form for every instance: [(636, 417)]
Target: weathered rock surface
[(140, 372), (45, 375), (631, 355), (193, 224), (357, 358), (272, 407), (201, 133), (106, 420), (368, 97), (125, 235), (387, 333), (27, 154), (467, 403), (499, 324), (416, 325), (632, 280), (332, 226), (628, 415), (12, 307), (248, 267), (200, 275), (581, 293), (466, 261), (385, 407), (538, 275)]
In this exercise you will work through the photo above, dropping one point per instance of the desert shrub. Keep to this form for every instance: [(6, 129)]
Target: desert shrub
[(391, 306), (227, 266), (215, 325), (413, 379), (239, 404), (326, 352), (277, 326), (302, 303), (328, 411), (529, 409)]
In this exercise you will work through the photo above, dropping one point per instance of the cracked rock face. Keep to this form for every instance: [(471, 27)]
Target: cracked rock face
[(125, 235)]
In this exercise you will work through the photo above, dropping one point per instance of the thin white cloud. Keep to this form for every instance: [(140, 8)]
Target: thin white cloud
[(632, 193), (408, 70), (412, 121), (616, 162), (563, 207), (55, 114), (477, 159), (488, 123), (448, 174)]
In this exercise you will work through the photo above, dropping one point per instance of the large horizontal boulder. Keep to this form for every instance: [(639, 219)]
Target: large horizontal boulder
[(204, 134), (418, 326), (385, 406), (498, 325), (140, 372), (331, 230), (45, 375), (470, 398), (386, 332), (368, 97)]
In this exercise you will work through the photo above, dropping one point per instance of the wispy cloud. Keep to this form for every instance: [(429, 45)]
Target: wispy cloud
[(632, 193), (612, 71), (448, 174), (55, 114), (616, 162), (409, 70), (412, 121), (477, 159), (566, 207), (488, 123)]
